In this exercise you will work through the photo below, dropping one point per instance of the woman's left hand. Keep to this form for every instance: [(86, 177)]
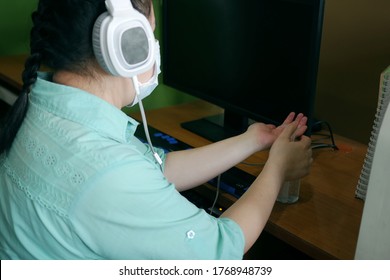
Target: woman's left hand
[(266, 134)]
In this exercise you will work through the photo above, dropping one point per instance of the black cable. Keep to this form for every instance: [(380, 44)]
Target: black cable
[(324, 145)]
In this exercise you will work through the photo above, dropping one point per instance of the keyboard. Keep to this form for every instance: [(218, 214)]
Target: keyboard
[(234, 181)]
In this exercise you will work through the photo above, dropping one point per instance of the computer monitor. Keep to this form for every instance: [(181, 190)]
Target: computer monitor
[(256, 59)]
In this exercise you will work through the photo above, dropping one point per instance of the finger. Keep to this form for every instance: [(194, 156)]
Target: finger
[(302, 127), (300, 131), (307, 141), (289, 119), (299, 117), (289, 130), (302, 121)]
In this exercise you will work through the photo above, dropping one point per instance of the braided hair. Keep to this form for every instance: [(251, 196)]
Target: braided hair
[(61, 39)]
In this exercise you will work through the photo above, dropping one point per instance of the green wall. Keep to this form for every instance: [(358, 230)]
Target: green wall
[(15, 25)]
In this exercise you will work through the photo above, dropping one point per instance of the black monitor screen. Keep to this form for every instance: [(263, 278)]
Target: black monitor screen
[(257, 59)]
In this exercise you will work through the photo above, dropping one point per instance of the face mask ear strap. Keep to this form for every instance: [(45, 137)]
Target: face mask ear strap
[(136, 85)]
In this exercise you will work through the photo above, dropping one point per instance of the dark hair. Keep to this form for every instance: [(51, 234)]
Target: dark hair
[(61, 39)]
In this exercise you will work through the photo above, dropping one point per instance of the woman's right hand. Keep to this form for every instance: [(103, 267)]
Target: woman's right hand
[(292, 155)]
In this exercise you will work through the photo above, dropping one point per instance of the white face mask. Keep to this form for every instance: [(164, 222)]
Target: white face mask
[(145, 89)]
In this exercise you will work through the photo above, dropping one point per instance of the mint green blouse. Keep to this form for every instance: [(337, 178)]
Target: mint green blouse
[(77, 184)]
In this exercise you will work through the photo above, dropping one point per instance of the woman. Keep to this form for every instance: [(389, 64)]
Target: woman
[(76, 183)]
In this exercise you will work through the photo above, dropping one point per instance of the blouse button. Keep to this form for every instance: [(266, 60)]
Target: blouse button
[(190, 234)]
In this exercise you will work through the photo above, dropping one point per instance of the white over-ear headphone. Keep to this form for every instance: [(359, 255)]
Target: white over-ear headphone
[(123, 40)]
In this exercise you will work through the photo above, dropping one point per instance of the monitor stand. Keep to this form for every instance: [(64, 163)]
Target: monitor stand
[(218, 127)]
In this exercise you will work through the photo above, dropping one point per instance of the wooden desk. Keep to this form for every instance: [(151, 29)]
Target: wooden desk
[(11, 68), (324, 223)]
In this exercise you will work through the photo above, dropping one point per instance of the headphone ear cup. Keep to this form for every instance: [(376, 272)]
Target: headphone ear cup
[(124, 45), (99, 38)]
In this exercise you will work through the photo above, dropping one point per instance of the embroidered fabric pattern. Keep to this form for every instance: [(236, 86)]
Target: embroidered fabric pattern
[(48, 173), (52, 181)]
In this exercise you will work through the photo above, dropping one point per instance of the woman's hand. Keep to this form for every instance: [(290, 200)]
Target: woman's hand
[(291, 153), (266, 134)]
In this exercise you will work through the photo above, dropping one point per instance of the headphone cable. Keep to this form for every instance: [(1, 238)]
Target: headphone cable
[(145, 124)]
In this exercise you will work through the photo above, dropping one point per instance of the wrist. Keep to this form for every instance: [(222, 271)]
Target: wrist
[(250, 143), (275, 170)]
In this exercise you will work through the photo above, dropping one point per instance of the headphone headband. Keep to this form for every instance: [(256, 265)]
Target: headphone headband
[(118, 7)]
